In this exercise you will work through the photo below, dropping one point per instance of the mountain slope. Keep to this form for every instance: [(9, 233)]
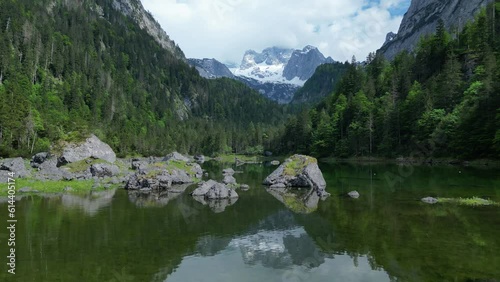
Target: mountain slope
[(211, 68), (422, 19), (74, 67), (135, 10), (443, 101), (322, 83)]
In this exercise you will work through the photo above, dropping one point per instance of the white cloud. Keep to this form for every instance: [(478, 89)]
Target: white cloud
[(225, 29)]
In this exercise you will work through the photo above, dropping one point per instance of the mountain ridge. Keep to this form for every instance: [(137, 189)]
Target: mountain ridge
[(422, 18)]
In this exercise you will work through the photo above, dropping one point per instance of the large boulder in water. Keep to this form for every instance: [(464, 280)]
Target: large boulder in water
[(212, 190), (298, 171), (91, 148)]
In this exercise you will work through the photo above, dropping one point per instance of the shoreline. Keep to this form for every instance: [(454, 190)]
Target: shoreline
[(479, 163)]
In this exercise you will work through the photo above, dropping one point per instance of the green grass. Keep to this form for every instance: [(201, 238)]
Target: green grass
[(473, 202), (171, 165), (297, 163), (79, 187), (82, 165)]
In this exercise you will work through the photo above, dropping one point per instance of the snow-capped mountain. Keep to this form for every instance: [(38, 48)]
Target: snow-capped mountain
[(280, 65), (277, 72)]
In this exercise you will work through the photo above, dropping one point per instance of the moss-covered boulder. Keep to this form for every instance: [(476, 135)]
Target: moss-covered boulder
[(298, 171)]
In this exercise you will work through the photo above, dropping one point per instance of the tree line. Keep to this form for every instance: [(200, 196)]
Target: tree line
[(70, 68), (444, 96)]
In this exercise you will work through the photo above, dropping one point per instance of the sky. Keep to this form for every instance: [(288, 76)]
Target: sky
[(225, 29)]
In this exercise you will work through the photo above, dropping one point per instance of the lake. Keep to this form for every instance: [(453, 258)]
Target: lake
[(387, 234)]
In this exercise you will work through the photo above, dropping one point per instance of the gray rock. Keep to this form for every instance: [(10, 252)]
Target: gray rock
[(91, 148), (275, 163), (39, 158), (139, 164), (211, 190), (197, 170), (104, 170), (229, 179), (175, 156), (220, 191), (203, 188), (49, 171), (228, 171), (430, 200), (244, 187), (298, 171), (353, 194), (199, 158), (158, 180), (180, 177), (15, 165), (422, 19)]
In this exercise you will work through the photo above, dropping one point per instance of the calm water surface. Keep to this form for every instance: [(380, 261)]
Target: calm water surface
[(387, 234)]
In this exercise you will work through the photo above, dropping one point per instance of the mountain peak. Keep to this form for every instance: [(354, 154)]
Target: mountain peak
[(422, 19)]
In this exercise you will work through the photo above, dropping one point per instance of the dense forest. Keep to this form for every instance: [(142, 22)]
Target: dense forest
[(442, 100), (320, 85), (69, 68)]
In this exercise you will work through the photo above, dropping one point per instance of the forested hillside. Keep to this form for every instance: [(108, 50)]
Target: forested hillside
[(442, 101), (68, 68), (324, 80)]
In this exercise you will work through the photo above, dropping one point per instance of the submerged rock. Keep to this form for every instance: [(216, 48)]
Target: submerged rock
[(228, 171), (353, 194), (298, 171), (430, 200), (91, 148)]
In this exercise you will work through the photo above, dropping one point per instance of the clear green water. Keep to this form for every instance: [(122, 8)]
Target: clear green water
[(387, 234)]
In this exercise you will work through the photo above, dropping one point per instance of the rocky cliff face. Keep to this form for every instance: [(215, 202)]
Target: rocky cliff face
[(303, 63), (422, 19), (211, 68), (135, 10)]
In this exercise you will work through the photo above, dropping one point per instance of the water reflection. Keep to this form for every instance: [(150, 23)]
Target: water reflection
[(283, 254), (216, 205), (151, 199), (91, 203), (300, 201)]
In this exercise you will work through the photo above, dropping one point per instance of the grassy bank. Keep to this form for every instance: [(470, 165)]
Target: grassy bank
[(77, 187)]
